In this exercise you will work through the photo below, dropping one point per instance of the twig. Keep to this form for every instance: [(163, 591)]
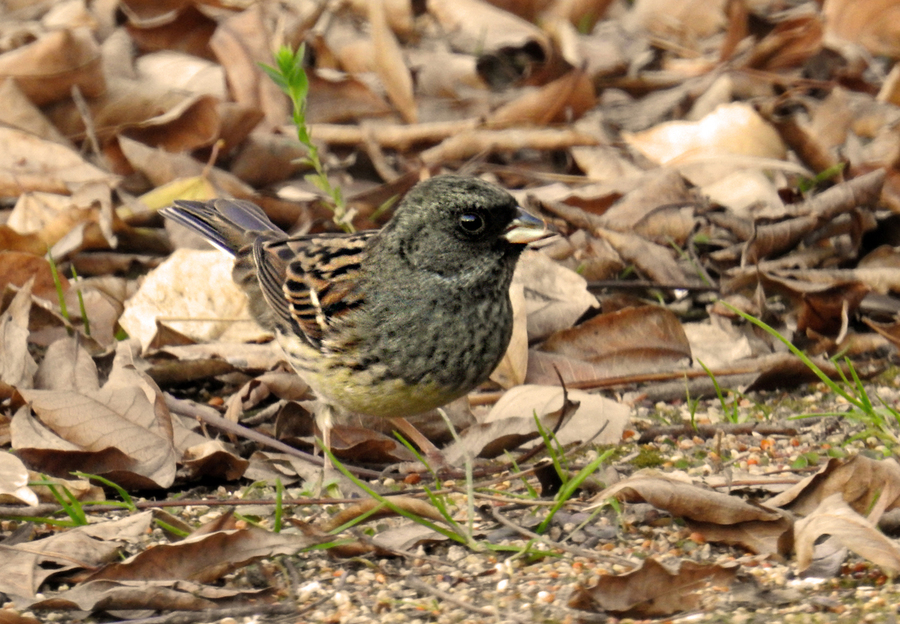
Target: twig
[(708, 431), (414, 583), (214, 615), (211, 417), (578, 552)]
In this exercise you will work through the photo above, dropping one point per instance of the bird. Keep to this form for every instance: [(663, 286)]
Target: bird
[(391, 322)]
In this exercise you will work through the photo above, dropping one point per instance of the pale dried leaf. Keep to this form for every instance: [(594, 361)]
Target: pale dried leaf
[(731, 129), (14, 481), (682, 499), (26, 566), (555, 297), (716, 344), (652, 590), (644, 339), (477, 27), (192, 292), (389, 63), (867, 485), (47, 69), (149, 595), (513, 367), (17, 367), (30, 163), (872, 25), (206, 557), (511, 422), (20, 112), (835, 518)]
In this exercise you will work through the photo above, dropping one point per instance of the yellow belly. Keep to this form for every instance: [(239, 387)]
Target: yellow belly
[(367, 392)]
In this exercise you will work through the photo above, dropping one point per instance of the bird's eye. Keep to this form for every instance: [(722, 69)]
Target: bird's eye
[(471, 223)]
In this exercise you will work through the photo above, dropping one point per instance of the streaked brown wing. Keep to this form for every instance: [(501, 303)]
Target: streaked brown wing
[(320, 283), (270, 260)]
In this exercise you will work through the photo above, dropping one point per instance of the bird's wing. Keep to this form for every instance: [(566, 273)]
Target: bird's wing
[(319, 280)]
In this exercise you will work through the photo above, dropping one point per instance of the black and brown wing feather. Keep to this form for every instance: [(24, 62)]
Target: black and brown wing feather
[(310, 283), (322, 282)]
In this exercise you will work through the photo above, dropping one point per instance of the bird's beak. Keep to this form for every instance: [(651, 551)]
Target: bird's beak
[(525, 228)]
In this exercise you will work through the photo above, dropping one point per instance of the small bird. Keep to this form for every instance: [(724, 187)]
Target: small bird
[(391, 322)]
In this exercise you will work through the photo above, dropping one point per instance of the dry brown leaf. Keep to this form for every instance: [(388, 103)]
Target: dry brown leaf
[(246, 357), (513, 367), (9, 616), (206, 557), (835, 518), (67, 366), (399, 14), (546, 368), (154, 114), (872, 25), (407, 537), (17, 367), (661, 209), (684, 499), (186, 29), (563, 100), (20, 112), (149, 13), (654, 261), (285, 385), (48, 69), (240, 43), (186, 72), (363, 445), (652, 590), (469, 143), (511, 422), (868, 486), (717, 344), (760, 537), (793, 42), (686, 19), (407, 503), (645, 339), (122, 430), (193, 293), (150, 595), (582, 13), (340, 100), (731, 129), (594, 413), (14, 479), (28, 163), (162, 167), (475, 27), (389, 63), (264, 159), (891, 331), (271, 467), (448, 75), (27, 565), (743, 191), (601, 163), (797, 136)]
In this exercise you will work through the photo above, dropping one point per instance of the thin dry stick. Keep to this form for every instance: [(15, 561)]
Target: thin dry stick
[(211, 417), (415, 583), (578, 552), (214, 615)]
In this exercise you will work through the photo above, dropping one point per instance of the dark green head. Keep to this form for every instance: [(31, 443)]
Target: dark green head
[(460, 228)]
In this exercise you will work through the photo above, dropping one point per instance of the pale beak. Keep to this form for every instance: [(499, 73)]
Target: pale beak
[(525, 228)]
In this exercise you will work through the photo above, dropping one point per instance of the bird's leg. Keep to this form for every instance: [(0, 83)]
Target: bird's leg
[(415, 436), (325, 422)]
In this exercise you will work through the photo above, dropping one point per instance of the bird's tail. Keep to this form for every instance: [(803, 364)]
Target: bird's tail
[(229, 224)]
